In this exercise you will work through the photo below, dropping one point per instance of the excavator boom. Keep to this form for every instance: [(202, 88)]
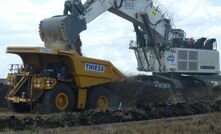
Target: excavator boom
[(146, 14)]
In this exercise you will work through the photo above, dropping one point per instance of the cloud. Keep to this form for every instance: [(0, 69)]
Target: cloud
[(199, 18), (108, 36), (19, 26), (195, 15), (20, 20)]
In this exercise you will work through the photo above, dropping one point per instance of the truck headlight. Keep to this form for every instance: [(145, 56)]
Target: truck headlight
[(37, 85), (49, 81)]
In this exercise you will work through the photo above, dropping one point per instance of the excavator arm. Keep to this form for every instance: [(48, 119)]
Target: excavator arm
[(158, 47), (152, 24), (146, 14)]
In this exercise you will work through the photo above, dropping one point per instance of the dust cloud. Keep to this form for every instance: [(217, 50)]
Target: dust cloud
[(63, 45), (58, 44)]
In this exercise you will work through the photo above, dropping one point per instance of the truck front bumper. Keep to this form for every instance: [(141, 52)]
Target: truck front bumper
[(18, 100)]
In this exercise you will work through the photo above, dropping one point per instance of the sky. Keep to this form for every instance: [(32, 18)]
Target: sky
[(108, 36)]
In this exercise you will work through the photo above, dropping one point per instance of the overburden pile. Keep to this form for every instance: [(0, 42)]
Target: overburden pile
[(145, 112)]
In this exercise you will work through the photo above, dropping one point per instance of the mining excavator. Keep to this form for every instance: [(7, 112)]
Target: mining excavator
[(58, 78)]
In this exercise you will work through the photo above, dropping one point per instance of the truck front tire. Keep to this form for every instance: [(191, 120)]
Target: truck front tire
[(59, 99)]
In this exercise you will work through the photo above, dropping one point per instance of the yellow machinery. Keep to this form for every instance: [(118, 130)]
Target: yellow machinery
[(58, 80)]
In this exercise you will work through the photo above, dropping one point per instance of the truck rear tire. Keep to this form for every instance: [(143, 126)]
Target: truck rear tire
[(98, 98), (59, 99)]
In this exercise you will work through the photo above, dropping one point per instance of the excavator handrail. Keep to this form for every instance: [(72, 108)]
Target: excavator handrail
[(166, 13)]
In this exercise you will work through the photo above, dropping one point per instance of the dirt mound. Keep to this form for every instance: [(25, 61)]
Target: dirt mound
[(132, 92), (140, 101), (112, 116)]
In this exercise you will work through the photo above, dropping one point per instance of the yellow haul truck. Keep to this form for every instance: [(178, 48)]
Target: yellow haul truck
[(58, 80)]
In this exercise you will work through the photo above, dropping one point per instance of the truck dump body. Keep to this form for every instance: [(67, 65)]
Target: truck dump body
[(85, 71)]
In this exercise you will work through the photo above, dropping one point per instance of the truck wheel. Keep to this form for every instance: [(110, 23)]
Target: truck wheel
[(19, 107), (59, 99), (98, 98)]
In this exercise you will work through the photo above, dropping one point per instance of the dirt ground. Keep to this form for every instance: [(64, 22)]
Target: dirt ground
[(128, 116), (199, 124), (20, 122)]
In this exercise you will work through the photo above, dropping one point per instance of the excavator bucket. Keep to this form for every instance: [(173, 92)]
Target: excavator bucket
[(61, 32)]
